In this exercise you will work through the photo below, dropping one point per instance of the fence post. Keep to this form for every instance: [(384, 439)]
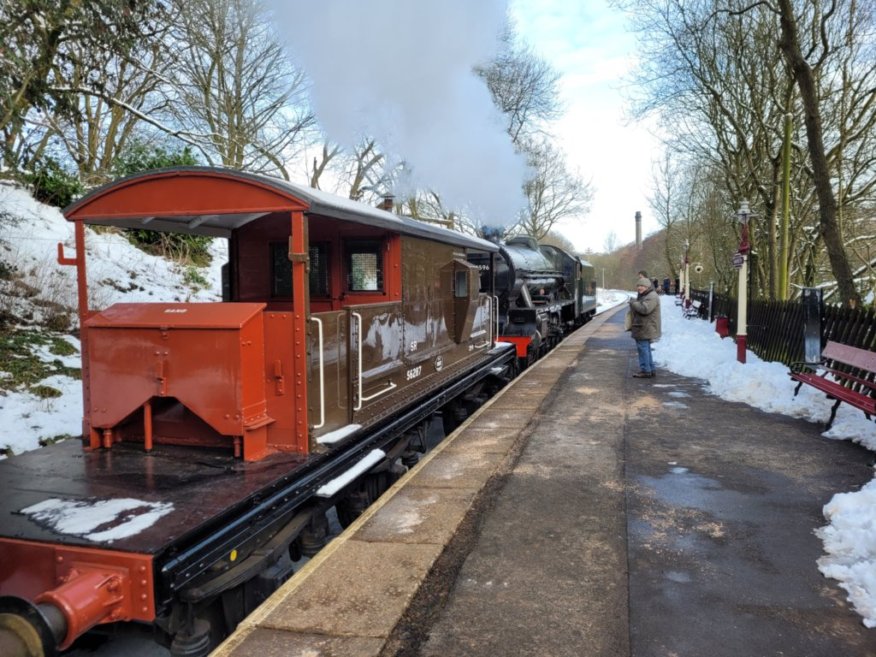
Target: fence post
[(711, 301), (811, 298)]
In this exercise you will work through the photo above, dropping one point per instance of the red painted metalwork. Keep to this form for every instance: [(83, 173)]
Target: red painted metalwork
[(183, 193), (298, 254), (147, 426), (209, 357), (521, 344), (87, 585), (280, 381)]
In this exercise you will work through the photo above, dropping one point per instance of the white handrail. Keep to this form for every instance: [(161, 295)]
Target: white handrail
[(358, 406), (359, 397), (391, 386), (496, 300), (321, 376)]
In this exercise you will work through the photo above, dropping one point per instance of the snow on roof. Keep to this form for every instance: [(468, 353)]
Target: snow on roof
[(221, 222)]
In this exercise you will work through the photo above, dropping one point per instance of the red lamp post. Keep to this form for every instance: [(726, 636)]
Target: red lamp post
[(743, 215)]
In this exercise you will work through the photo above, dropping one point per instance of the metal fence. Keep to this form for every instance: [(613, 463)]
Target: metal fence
[(775, 328)]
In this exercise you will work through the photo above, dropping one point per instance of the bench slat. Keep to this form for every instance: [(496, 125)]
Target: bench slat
[(853, 389), (843, 353), (839, 391)]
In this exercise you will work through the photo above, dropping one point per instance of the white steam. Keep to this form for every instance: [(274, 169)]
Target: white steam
[(400, 71)]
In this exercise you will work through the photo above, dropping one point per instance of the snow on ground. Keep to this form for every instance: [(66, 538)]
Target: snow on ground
[(607, 299), (29, 232), (692, 348), (117, 271)]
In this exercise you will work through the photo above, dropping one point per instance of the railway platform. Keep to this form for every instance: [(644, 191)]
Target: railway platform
[(582, 512)]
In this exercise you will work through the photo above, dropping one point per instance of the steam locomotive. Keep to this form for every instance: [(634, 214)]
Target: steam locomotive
[(216, 436), (542, 293)]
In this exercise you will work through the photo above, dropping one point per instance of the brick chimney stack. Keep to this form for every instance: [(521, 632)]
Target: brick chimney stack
[(387, 202), (638, 229)]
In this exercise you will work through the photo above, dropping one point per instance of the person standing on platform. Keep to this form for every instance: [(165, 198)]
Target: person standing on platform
[(645, 325), (666, 285)]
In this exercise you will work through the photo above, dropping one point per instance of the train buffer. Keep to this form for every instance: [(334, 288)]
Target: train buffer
[(578, 513)]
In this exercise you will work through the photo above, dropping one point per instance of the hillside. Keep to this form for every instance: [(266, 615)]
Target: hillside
[(40, 393)]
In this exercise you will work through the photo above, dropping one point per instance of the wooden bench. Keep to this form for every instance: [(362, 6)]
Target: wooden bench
[(692, 310), (853, 384)]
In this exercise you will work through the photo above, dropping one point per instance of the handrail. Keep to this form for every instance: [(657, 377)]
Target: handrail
[(496, 299), (321, 376), (477, 334), (391, 386), (359, 397)]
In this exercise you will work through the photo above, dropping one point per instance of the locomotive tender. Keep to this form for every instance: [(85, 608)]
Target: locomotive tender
[(215, 436)]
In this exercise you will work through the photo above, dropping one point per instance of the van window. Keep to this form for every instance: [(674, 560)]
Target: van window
[(460, 286), (319, 270), (281, 271), (365, 266)]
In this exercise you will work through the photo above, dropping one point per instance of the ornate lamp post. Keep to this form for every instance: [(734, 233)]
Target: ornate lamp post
[(742, 215)]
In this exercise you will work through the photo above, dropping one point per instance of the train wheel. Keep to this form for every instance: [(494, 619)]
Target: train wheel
[(362, 496), (452, 415), (192, 641)]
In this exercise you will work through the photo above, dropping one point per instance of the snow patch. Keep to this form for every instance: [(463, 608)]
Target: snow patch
[(100, 520)]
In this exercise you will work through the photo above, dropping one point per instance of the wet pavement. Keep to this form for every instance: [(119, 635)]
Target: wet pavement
[(587, 513)]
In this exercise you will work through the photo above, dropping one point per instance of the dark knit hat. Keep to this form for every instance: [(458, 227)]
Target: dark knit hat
[(644, 282)]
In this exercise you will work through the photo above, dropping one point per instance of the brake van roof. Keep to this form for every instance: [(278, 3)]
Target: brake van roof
[(213, 201)]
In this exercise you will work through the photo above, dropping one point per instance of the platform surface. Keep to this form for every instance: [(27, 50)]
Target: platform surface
[(586, 513)]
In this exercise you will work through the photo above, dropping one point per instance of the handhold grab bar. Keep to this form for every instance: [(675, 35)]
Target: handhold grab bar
[(321, 375), (359, 397)]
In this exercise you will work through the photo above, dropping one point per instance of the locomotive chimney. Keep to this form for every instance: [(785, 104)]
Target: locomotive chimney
[(492, 233), (638, 229), (386, 202)]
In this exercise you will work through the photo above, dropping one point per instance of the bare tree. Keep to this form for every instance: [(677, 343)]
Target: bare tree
[(798, 62), (237, 92), (328, 153), (524, 88), (106, 115), (553, 193), (711, 69), (41, 40)]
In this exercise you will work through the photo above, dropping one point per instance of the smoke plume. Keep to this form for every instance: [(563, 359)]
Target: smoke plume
[(400, 71)]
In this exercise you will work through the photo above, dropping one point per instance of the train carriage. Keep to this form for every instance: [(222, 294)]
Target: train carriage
[(216, 435)]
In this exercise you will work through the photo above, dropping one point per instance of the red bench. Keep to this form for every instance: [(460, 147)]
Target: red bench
[(845, 374)]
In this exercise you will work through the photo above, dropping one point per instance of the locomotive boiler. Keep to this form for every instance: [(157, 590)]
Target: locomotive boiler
[(216, 436), (542, 293)]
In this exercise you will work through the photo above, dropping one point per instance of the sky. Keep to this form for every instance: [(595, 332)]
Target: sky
[(590, 45), (690, 348)]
